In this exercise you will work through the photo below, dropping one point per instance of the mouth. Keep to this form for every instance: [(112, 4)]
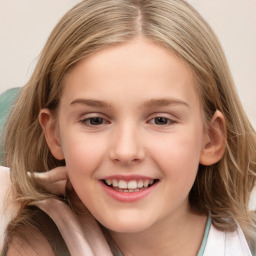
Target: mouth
[(129, 186)]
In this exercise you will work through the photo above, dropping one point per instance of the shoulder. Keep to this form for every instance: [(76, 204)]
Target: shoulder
[(8, 206)]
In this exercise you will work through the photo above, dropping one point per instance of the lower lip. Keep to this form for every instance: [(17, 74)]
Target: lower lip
[(128, 196)]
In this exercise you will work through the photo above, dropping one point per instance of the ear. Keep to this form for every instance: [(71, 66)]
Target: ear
[(50, 128), (215, 140)]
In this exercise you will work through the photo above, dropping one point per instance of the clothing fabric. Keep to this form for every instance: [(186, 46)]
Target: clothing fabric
[(84, 237), (226, 243), (8, 206)]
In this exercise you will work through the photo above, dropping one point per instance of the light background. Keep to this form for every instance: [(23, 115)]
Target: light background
[(26, 24)]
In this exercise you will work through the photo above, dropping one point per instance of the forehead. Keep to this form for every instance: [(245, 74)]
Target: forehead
[(136, 66)]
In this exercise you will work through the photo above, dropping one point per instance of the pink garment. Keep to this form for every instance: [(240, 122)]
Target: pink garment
[(8, 207)]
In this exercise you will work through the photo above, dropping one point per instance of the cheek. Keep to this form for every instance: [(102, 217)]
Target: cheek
[(178, 156), (83, 153), (178, 160), (82, 159)]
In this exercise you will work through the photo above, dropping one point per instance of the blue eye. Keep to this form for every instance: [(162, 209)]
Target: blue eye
[(161, 121), (93, 121)]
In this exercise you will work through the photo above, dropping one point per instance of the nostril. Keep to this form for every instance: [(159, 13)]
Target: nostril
[(127, 160)]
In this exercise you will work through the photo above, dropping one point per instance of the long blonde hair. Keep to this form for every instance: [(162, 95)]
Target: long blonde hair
[(223, 188)]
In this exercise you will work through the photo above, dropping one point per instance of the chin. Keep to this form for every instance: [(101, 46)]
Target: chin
[(129, 225)]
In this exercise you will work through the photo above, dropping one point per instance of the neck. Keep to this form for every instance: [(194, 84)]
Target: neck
[(180, 235)]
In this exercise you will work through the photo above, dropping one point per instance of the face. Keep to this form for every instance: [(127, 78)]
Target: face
[(131, 131)]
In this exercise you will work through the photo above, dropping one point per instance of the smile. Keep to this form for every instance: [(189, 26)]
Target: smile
[(128, 190), (129, 186)]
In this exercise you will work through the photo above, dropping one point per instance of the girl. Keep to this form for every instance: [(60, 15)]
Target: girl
[(133, 103)]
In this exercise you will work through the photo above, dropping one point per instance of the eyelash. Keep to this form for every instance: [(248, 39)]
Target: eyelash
[(88, 121)]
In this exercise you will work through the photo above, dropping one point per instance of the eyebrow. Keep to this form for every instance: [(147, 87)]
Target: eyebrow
[(165, 102), (91, 103), (150, 103)]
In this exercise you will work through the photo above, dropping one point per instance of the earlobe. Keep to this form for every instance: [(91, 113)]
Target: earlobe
[(215, 140), (49, 125)]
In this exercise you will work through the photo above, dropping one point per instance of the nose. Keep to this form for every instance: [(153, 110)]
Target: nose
[(127, 147)]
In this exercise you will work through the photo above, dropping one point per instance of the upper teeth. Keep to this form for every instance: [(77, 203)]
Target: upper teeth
[(132, 184)]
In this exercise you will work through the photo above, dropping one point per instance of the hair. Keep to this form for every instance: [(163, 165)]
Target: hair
[(224, 188)]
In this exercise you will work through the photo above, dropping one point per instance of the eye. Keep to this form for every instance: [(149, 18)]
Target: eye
[(161, 121), (93, 121)]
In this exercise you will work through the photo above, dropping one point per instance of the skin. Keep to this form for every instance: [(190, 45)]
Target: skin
[(138, 82)]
